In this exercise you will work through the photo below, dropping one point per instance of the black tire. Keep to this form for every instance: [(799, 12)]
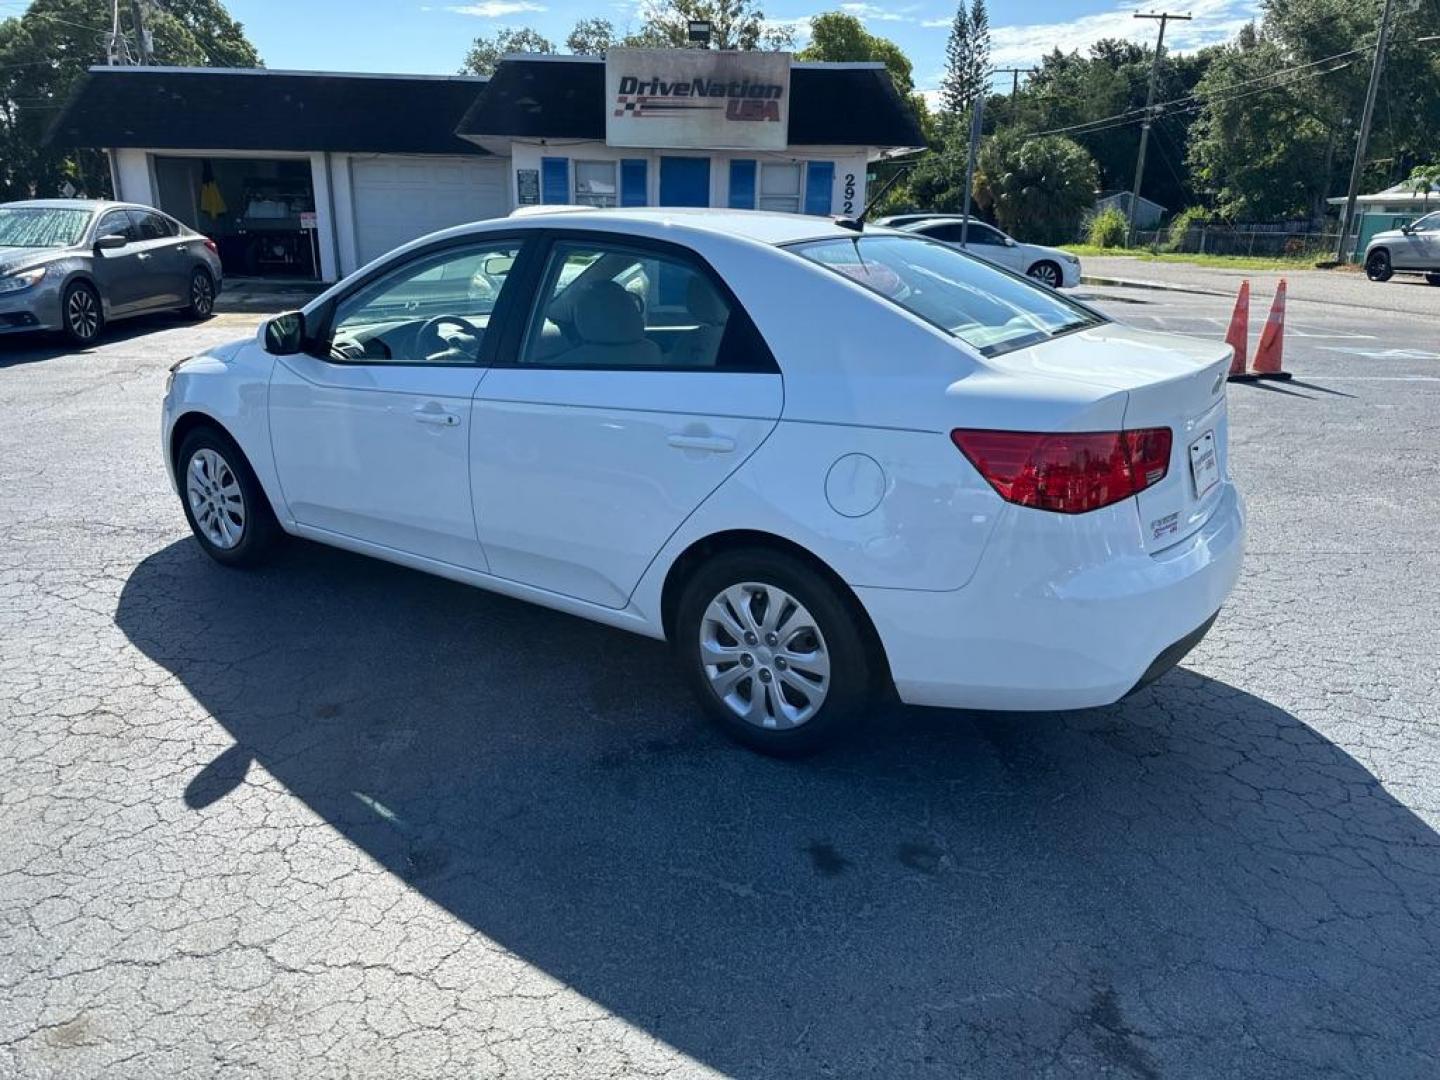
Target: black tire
[(82, 314), (202, 295), (834, 616), (1377, 266), (1432, 279), (258, 530), (1047, 273)]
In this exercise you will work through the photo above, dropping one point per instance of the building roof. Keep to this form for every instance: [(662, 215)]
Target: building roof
[(532, 97), (259, 109), (1397, 193)]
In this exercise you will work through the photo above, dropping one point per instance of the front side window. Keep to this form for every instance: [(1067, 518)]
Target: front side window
[(432, 310), (613, 307), (41, 226), (780, 186), (1428, 223), (118, 223), (595, 183), (986, 308), (983, 234)]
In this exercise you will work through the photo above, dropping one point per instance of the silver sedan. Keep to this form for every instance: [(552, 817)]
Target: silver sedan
[(73, 265)]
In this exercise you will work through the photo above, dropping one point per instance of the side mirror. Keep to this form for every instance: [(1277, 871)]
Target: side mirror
[(110, 242), (497, 265), (1407, 229), (284, 335), (1010, 242)]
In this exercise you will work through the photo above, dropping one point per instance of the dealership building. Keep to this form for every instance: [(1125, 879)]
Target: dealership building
[(313, 174)]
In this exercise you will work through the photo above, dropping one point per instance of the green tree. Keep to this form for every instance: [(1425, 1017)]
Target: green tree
[(1035, 188), (734, 24), (1069, 89), (1278, 125), (838, 37), (591, 37), (45, 50), (485, 52), (967, 57)]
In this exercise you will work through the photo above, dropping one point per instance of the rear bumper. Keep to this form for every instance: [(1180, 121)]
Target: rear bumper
[(1051, 622)]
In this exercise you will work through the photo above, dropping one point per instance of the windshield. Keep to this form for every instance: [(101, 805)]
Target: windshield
[(986, 308), (42, 226)]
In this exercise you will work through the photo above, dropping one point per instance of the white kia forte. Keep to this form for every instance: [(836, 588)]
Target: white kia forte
[(823, 461)]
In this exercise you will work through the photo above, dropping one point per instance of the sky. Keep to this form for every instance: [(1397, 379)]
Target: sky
[(431, 36)]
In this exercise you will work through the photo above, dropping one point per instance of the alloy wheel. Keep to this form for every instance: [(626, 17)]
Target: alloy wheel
[(82, 314), (202, 293), (764, 656), (215, 498), (1047, 274)]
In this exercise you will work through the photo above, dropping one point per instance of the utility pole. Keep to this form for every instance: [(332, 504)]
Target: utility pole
[(1362, 143), (977, 115), (1163, 17), (142, 36), (1014, 74)]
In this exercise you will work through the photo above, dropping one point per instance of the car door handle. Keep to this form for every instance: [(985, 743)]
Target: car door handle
[(141, 255), (714, 444), (438, 417)]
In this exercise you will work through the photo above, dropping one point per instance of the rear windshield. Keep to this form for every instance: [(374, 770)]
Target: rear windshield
[(986, 308), (41, 226)]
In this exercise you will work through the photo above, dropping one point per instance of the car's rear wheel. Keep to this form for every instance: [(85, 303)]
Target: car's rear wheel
[(772, 650), (202, 295), (1047, 273), (82, 314), (1377, 266), (223, 501)]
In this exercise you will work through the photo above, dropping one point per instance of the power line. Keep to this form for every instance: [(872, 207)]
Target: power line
[(1130, 116)]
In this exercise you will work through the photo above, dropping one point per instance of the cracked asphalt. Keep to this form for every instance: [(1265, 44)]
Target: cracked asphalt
[(337, 819)]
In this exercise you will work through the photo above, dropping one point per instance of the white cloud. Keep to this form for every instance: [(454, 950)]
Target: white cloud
[(876, 13), (496, 9), (1215, 21)]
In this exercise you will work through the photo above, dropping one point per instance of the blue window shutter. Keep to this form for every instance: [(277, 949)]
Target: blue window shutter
[(742, 184), (633, 182), (554, 180), (819, 183)]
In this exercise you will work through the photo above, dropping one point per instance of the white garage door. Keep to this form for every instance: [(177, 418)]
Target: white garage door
[(400, 198)]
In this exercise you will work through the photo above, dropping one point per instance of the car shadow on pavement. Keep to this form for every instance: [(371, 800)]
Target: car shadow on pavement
[(30, 348), (1191, 882)]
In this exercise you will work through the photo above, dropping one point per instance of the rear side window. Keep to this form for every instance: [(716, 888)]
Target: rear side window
[(986, 308), (615, 307), (152, 226)]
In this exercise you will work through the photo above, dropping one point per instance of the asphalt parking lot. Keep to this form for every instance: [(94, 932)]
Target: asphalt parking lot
[(335, 818)]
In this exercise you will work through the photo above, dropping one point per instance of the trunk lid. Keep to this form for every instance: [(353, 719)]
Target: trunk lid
[(1169, 381)]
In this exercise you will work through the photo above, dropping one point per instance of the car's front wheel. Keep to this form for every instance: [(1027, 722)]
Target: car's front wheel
[(1046, 273), (82, 314), (1377, 266), (202, 295), (223, 501), (772, 650)]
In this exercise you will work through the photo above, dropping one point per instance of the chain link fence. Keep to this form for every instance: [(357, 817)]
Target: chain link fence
[(1262, 242)]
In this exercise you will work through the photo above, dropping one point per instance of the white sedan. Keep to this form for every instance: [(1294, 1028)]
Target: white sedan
[(1050, 266), (823, 462)]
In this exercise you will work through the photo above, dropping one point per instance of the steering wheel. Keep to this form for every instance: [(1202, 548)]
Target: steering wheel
[(428, 340)]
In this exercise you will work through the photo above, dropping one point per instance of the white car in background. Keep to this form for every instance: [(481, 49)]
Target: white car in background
[(1050, 266), (824, 462), (1411, 249)]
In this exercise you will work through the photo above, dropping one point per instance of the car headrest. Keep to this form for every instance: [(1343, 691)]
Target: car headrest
[(704, 302), (605, 314)]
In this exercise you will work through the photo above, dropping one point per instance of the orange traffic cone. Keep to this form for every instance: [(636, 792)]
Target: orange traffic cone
[(1238, 336), (1270, 352)]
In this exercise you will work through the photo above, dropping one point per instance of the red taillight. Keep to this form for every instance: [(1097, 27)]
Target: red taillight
[(211, 245), (1068, 472)]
